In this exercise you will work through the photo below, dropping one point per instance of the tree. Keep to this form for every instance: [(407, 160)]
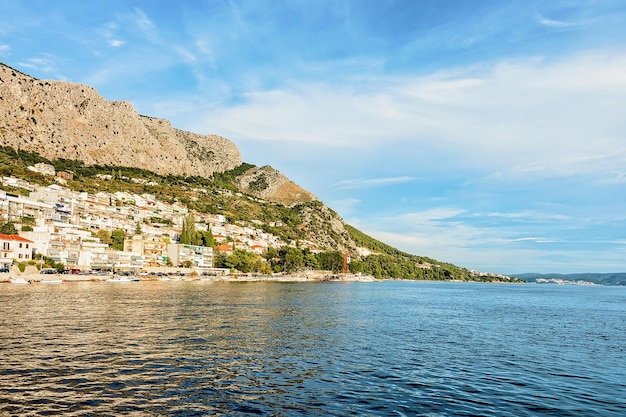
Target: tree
[(310, 260), (189, 235), (138, 228), (8, 228), (293, 258), (206, 238), (241, 260), (271, 253), (330, 260), (117, 239), (219, 259), (104, 236), (262, 266)]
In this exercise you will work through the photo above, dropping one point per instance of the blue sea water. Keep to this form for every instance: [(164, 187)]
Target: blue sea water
[(323, 349)]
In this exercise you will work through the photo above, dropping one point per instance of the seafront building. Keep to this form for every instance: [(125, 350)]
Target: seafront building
[(67, 226), (198, 256), (14, 247)]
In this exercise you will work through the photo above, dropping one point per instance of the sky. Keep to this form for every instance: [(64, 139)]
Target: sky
[(486, 133)]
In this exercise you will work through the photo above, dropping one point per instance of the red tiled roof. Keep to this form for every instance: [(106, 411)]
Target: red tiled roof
[(16, 238)]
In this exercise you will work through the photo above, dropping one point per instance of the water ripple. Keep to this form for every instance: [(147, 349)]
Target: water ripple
[(380, 349)]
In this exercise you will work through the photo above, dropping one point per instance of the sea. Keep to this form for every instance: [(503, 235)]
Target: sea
[(391, 348)]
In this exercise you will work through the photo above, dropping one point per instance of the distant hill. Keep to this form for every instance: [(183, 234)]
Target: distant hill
[(618, 278)]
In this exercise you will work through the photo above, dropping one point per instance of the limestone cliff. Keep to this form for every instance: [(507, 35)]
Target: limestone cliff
[(58, 119)]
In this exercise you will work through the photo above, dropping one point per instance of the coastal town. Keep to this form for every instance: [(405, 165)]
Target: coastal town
[(51, 229), (75, 229)]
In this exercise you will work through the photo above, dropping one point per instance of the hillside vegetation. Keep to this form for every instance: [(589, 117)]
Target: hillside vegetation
[(309, 221)]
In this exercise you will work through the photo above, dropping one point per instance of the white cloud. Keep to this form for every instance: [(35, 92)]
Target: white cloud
[(496, 249), (554, 23), (116, 43), (144, 24), (39, 64), (4, 49), (373, 182), (532, 117), (430, 215), (533, 239)]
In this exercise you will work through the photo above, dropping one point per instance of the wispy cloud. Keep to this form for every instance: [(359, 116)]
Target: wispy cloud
[(497, 248), (373, 182), (39, 64), (556, 23), (530, 117), (431, 215), (533, 239), (145, 25), (4, 49), (116, 43)]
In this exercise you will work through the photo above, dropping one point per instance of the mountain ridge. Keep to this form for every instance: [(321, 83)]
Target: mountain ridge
[(60, 119)]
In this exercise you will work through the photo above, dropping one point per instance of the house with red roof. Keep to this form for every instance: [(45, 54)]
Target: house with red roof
[(14, 247)]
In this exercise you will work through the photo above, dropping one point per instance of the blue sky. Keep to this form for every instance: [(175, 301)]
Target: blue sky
[(486, 133)]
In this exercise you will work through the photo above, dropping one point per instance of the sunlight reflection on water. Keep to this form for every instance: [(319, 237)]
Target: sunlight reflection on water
[(403, 348)]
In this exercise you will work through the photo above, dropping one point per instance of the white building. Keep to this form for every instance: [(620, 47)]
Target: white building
[(42, 168), (200, 256), (15, 247)]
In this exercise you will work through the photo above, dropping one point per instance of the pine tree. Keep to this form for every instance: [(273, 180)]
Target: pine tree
[(189, 236)]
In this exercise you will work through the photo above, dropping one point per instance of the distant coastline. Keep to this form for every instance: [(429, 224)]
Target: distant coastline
[(590, 278)]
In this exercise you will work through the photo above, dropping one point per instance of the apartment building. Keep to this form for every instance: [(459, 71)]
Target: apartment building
[(152, 249), (200, 256)]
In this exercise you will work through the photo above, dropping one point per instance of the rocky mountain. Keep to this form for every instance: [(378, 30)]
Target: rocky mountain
[(72, 127), (64, 120), (60, 119), (269, 184)]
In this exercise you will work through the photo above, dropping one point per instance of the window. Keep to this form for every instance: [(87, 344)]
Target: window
[(20, 256), (20, 245), (27, 246), (27, 256)]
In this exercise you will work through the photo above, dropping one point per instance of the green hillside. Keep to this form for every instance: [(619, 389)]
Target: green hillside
[(309, 221)]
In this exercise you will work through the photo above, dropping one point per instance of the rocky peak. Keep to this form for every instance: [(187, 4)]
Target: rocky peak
[(269, 184), (59, 119)]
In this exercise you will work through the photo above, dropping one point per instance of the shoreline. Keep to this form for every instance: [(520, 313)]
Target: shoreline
[(66, 278)]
